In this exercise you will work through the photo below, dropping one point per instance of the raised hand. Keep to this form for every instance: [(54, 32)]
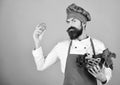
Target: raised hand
[(38, 33)]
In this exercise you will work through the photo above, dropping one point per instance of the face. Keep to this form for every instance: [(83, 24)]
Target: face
[(75, 28), (74, 22)]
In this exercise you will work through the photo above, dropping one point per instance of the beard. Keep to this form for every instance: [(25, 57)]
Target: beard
[(74, 33)]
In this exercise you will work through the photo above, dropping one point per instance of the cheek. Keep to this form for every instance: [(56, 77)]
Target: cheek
[(77, 25), (68, 26), (74, 24)]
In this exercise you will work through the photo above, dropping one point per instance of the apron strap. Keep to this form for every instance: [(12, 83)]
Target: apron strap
[(69, 46), (93, 48)]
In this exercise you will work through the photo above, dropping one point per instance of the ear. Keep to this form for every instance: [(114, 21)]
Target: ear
[(84, 25)]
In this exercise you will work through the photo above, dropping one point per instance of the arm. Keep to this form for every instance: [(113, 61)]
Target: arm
[(108, 73), (102, 74), (41, 62)]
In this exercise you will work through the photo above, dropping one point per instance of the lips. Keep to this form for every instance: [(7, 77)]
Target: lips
[(71, 29)]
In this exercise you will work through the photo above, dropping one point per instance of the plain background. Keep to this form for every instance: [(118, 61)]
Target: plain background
[(18, 19)]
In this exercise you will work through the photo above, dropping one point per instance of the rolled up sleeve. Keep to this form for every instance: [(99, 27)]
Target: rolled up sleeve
[(108, 74), (99, 48)]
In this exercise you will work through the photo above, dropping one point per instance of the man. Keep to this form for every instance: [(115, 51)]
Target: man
[(72, 52)]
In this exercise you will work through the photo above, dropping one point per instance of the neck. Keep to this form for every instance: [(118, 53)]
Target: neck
[(82, 36)]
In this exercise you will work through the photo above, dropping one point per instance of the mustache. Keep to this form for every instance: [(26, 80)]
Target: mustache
[(71, 29)]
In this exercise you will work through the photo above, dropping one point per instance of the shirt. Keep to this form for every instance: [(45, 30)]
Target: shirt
[(60, 51)]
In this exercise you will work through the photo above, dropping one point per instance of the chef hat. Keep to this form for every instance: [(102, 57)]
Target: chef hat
[(74, 11)]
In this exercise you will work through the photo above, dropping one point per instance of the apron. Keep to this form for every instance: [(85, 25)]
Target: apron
[(75, 75)]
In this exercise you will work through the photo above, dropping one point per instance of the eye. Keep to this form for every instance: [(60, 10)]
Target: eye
[(68, 21), (74, 20)]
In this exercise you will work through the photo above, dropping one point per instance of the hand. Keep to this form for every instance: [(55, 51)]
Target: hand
[(98, 73), (38, 33), (92, 62)]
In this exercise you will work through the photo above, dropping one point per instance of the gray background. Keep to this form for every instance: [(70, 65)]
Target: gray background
[(18, 19)]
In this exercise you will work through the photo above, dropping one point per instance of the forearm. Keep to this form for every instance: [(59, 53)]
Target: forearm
[(106, 76), (41, 62), (37, 44), (38, 58), (108, 73)]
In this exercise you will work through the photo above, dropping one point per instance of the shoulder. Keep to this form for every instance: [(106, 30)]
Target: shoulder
[(63, 43), (62, 47), (98, 43)]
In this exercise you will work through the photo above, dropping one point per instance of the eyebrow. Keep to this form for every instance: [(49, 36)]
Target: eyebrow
[(67, 21), (70, 20)]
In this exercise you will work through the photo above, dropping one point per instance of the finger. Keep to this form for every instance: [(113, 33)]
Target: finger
[(95, 63), (41, 35), (91, 72), (95, 69), (41, 26), (37, 32), (40, 30), (98, 59), (88, 56), (92, 63), (38, 27), (99, 69), (88, 66), (43, 32)]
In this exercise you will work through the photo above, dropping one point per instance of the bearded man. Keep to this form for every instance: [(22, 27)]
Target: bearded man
[(81, 56)]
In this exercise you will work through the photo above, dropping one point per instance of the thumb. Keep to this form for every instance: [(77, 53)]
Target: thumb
[(40, 37)]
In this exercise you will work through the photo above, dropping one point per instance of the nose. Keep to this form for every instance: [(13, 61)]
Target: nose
[(71, 23)]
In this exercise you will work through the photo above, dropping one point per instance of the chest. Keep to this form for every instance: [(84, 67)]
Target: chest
[(80, 48), (77, 48)]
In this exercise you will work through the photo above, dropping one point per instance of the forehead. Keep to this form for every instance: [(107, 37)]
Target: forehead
[(71, 19)]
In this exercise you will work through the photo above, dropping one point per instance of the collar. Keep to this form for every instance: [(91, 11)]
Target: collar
[(87, 38)]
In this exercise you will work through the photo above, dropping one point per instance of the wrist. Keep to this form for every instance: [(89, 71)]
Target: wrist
[(103, 78), (37, 45), (104, 82)]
